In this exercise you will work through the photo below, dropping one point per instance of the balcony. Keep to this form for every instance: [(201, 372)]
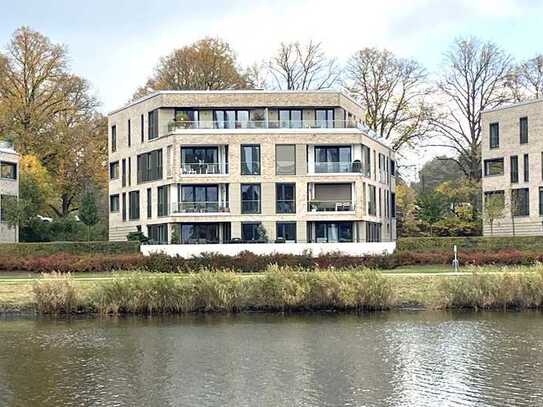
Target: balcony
[(330, 206), (260, 124), (335, 167), (200, 207), (202, 168)]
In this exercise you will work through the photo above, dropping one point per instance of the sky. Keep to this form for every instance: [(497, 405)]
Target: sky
[(116, 43)]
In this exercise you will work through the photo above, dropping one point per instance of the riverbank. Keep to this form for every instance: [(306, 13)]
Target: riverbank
[(277, 289)]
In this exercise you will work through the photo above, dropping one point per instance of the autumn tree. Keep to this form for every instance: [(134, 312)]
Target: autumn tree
[(474, 79), (394, 93), (494, 207), (207, 64), (297, 66)]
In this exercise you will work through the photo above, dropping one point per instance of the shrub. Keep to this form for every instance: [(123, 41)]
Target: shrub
[(75, 248), (480, 243), (55, 294)]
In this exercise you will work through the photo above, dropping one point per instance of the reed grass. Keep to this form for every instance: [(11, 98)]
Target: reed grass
[(55, 293)]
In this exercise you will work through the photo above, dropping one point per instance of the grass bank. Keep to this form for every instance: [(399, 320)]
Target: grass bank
[(276, 289)]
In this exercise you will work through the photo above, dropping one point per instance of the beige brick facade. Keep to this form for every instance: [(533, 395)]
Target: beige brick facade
[(345, 133), (9, 187), (528, 220)]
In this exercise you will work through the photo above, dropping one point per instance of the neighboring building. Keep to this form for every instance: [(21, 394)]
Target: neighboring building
[(9, 188), (512, 165), (217, 164)]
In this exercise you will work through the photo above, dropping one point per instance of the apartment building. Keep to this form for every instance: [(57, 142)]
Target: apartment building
[(512, 161), (9, 188), (202, 167)]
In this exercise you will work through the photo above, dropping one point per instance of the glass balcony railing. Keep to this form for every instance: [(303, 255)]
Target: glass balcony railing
[(202, 168), (261, 124), (199, 207), (250, 206), (286, 206), (334, 167), (330, 206), (250, 168)]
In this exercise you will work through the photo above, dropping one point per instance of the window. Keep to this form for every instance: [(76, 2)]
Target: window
[(8, 170), (250, 198), (113, 139), (129, 135), (152, 125), (3, 201), (158, 234), (366, 161), (514, 169), (250, 160), (142, 125), (493, 167), (500, 195), (134, 205), (149, 203), (526, 168), (201, 160), (523, 130), (494, 135), (540, 201), (393, 168), (186, 118), (124, 206), (230, 119), (129, 171), (114, 170), (324, 118), (198, 198), (124, 172), (372, 204), (285, 159), (520, 202), (249, 231), (286, 231), (333, 232), (285, 198), (150, 166), (163, 200), (331, 159), (373, 232), (392, 205), (114, 203), (192, 233), (290, 118)]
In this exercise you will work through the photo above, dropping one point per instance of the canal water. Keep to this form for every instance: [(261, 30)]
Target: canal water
[(380, 359)]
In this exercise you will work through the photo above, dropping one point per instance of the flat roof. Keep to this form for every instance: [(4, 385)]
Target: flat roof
[(233, 91), (513, 105)]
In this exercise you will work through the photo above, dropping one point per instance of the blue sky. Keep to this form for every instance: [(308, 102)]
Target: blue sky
[(115, 44)]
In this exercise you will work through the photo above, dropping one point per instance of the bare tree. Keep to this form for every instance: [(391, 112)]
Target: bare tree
[(474, 80), (529, 79), (303, 67), (207, 64), (393, 92)]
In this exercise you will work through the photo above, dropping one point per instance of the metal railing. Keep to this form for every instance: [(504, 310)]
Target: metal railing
[(330, 206), (204, 168), (332, 167), (199, 207), (250, 168), (250, 206), (261, 124)]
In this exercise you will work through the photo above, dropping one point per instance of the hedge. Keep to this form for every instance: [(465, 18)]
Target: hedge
[(75, 248), (479, 243)]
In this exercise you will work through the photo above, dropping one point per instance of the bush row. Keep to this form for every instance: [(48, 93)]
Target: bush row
[(474, 243), (76, 248), (249, 262), (278, 289)]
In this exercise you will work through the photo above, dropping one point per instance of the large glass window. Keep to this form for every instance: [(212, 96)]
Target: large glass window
[(523, 130), (285, 198), (493, 167), (250, 198), (158, 234), (372, 203), (193, 233), (134, 205), (249, 231), (285, 159), (514, 169), (200, 160), (499, 195), (250, 159), (150, 166), (520, 201), (198, 198), (8, 170), (373, 232), (324, 118), (286, 231), (114, 170), (333, 232), (494, 141), (231, 119), (152, 122), (289, 118), (333, 159), (163, 200), (114, 203), (186, 118)]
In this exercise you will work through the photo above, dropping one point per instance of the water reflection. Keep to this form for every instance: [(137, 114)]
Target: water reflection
[(383, 359)]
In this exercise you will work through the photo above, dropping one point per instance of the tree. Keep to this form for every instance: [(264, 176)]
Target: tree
[(88, 212), (474, 80), (430, 208), (393, 92), (528, 79), (494, 208), (297, 66), (434, 172), (207, 64), (406, 222)]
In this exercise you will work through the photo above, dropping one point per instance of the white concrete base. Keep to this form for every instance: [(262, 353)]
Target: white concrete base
[(316, 249)]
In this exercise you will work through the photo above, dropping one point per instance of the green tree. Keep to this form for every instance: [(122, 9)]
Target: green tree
[(493, 209), (88, 211), (434, 172), (430, 208)]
